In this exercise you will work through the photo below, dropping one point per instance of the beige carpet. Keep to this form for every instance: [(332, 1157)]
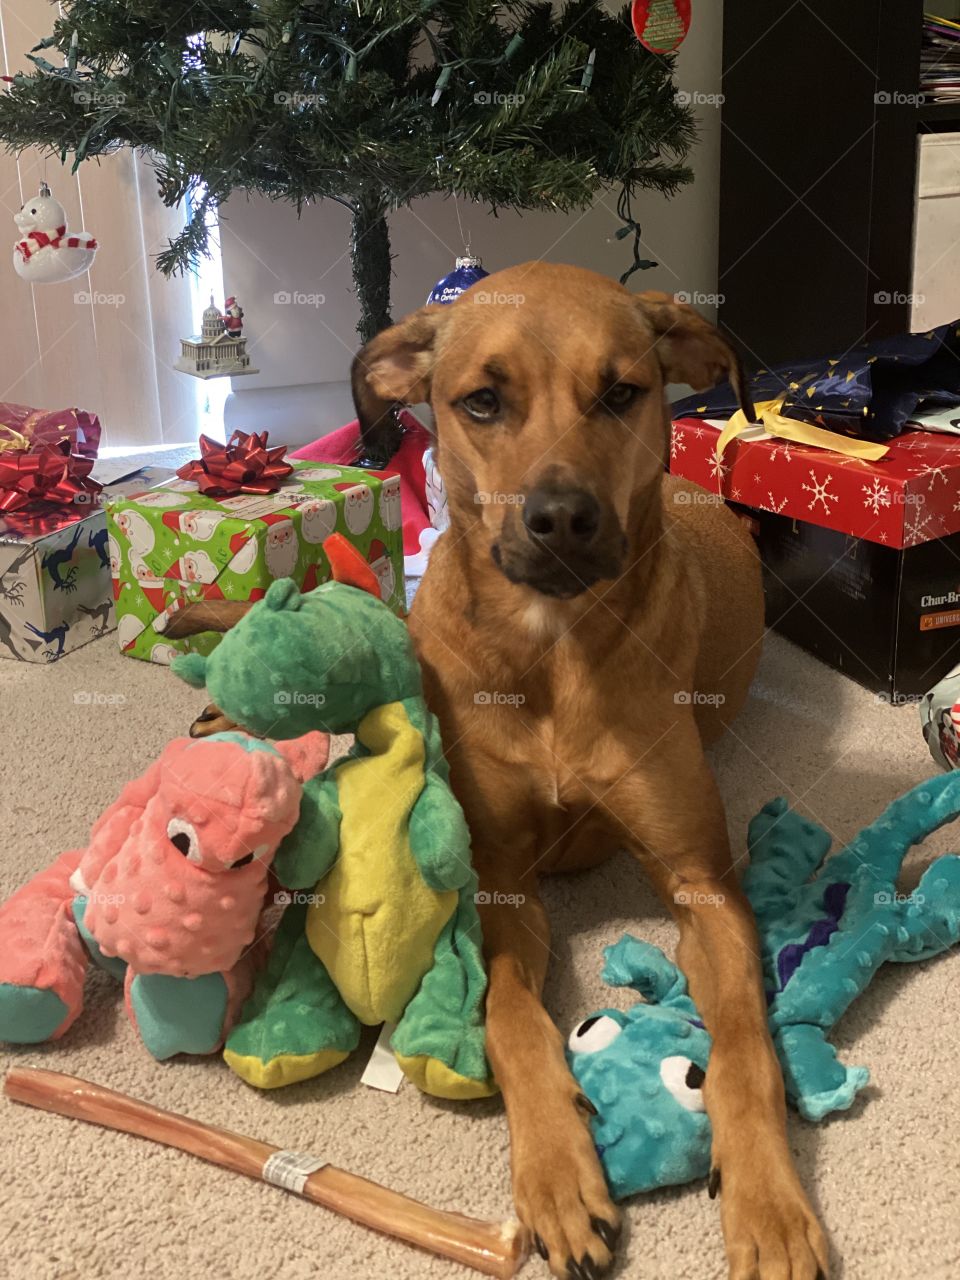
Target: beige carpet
[(80, 1202)]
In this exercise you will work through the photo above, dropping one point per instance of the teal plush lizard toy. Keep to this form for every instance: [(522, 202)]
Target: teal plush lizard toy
[(381, 923), (822, 939)]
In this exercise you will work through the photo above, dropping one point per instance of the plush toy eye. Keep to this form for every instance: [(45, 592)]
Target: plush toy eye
[(684, 1080), (184, 838), (594, 1034)]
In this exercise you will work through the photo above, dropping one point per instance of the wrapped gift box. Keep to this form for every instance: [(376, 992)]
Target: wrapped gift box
[(176, 544), (55, 585), (861, 559), (903, 500)]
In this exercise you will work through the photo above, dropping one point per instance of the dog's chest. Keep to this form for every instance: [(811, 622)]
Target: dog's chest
[(576, 746)]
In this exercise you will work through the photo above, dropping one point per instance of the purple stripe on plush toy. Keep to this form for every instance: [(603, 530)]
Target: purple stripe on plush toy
[(821, 931)]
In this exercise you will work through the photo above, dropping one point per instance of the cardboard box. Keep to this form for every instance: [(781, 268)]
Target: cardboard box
[(887, 617), (55, 581), (174, 544)]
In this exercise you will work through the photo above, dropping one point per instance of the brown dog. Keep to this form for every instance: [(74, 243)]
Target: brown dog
[(585, 626)]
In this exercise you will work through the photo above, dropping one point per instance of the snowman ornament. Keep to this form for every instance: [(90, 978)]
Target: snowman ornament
[(47, 254)]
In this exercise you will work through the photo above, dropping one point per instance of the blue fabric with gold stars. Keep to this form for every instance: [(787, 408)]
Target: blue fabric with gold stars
[(870, 392)]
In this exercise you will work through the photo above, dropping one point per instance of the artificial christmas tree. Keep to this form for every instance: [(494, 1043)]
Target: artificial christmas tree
[(372, 103)]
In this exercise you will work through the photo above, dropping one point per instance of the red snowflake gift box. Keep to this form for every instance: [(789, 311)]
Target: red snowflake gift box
[(910, 496)]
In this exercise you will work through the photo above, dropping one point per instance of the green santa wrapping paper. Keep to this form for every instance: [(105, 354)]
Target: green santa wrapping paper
[(177, 544)]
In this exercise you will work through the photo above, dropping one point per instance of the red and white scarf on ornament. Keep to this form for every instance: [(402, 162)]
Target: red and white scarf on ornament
[(59, 241)]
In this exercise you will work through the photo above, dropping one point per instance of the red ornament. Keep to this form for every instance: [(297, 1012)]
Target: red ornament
[(660, 25), (243, 465)]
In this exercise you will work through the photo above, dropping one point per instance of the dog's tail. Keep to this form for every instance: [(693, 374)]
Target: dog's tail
[(380, 429), (203, 615)]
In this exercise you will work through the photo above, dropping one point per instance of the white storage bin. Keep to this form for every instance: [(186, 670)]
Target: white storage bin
[(936, 233)]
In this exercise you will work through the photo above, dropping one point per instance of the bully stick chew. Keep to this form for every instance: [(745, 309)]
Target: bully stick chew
[(495, 1248)]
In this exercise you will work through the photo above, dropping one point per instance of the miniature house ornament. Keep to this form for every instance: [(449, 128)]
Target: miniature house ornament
[(220, 349), (48, 254)]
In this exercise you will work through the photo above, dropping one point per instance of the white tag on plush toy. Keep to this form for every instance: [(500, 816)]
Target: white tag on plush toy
[(291, 1169), (383, 1071)]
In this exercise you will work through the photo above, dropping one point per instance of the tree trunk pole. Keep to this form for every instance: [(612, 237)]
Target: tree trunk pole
[(370, 256)]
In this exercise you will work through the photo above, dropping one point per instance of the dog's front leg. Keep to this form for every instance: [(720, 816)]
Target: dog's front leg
[(559, 1189), (671, 814)]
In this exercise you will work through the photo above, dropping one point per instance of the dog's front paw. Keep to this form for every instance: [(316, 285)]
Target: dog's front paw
[(769, 1228), (561, 1195), (210, 720)]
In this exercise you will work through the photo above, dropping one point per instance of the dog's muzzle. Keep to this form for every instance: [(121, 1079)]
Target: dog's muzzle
[(565, 541)]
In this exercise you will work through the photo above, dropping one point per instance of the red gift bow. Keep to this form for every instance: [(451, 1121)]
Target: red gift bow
[(243, 465), (48, 473)]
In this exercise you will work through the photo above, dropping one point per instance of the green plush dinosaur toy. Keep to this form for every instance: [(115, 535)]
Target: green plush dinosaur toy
[(382, 924)]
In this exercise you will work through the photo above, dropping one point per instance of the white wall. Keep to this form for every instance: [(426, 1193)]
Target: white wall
[(106, 340), (267, 251)]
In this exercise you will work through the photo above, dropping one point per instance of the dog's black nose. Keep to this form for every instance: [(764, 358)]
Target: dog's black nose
[(562, 517)]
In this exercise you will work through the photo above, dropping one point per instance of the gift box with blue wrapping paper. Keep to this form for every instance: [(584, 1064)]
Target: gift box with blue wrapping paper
[(56, 592)]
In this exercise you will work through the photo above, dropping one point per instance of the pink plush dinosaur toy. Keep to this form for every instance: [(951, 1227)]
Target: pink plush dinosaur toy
[(167, 895)]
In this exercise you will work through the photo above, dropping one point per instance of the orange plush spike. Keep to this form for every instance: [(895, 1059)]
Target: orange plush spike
[(347, 565)]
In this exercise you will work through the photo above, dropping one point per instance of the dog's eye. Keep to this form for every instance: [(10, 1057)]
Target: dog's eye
[(620, 395), (594, 1034), (183, 837), (684, 1079), (482, 405)]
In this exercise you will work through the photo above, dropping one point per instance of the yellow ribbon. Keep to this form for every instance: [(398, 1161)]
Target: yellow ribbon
[(11, 439), (773, 421)]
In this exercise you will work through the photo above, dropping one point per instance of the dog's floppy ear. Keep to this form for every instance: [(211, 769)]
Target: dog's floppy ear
[(393, 369), (691, 349)]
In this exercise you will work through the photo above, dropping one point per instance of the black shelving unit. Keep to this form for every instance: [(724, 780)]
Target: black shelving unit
[(820, 120)]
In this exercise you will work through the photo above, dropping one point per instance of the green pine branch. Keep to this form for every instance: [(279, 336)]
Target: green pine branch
[(371, 102)]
